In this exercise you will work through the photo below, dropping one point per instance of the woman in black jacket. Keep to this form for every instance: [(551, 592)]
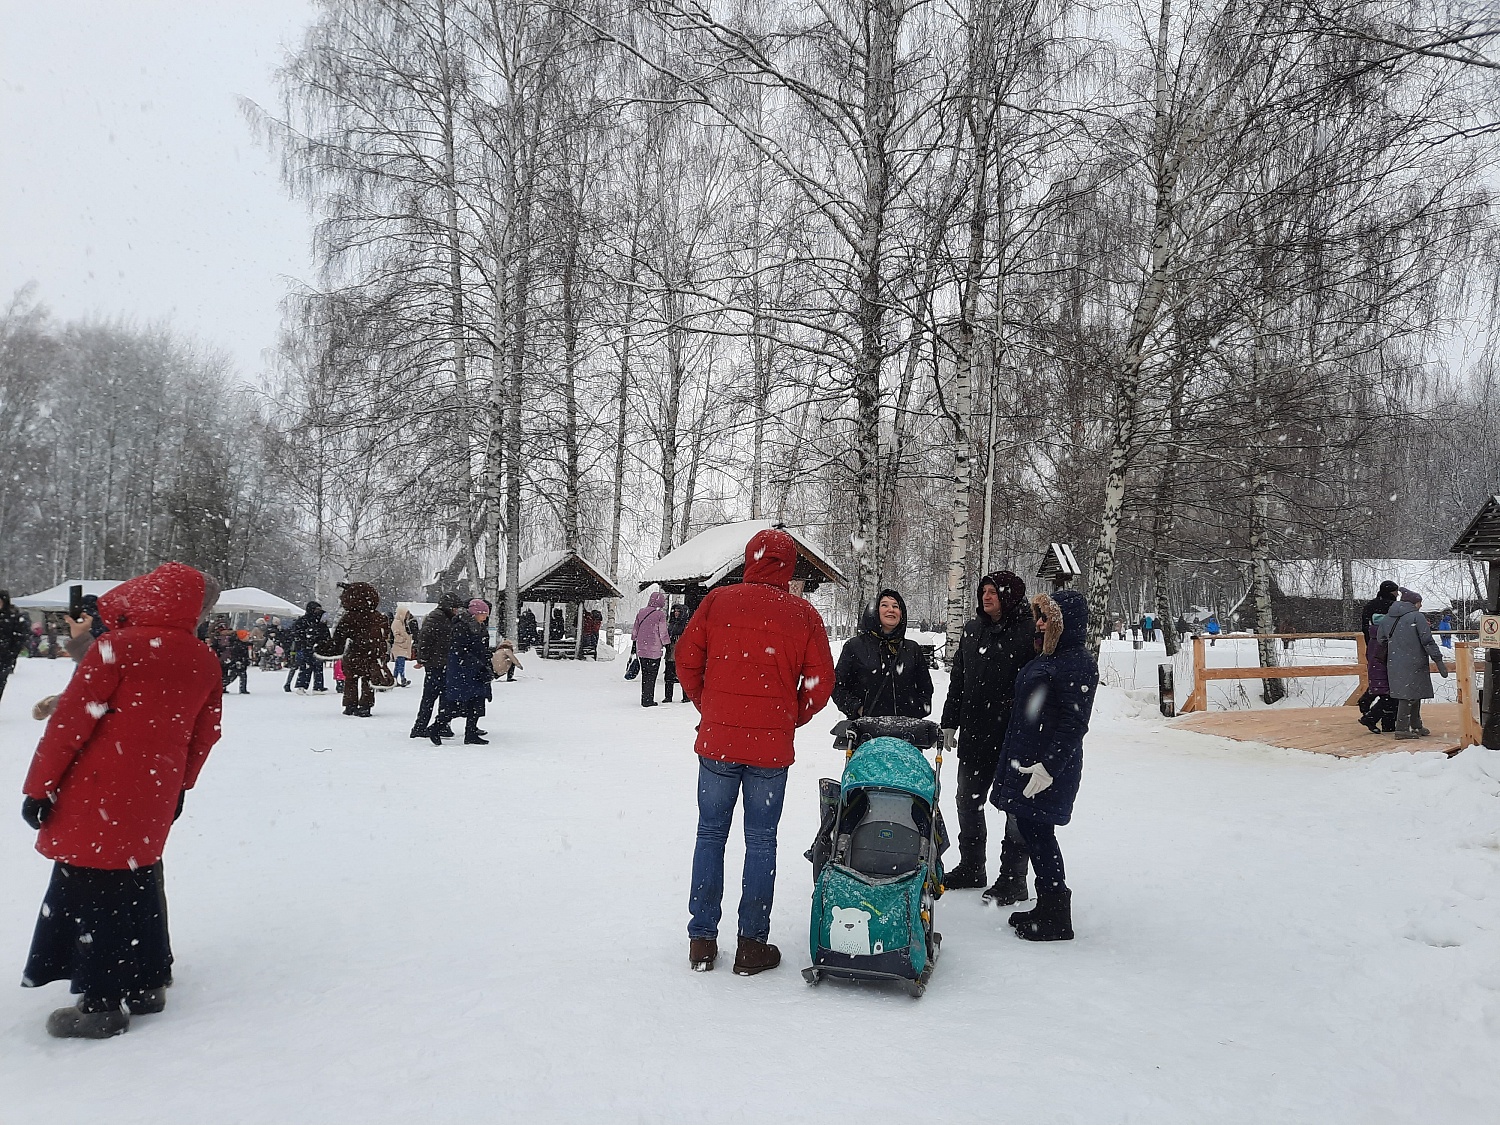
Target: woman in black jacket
[(880, 672)]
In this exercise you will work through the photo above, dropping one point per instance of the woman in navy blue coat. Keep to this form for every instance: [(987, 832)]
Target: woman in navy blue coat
[(466, 681), (1042, 758)]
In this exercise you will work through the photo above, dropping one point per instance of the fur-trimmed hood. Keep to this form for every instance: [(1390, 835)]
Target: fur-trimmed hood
[(1067, 619)]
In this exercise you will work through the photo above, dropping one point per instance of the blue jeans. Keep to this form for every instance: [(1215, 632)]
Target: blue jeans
[(719, 785)]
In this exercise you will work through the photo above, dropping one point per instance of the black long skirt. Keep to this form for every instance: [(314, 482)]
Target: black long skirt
[(105, 931)]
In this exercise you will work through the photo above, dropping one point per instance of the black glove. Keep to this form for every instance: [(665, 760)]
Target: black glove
[(182, 796), (36, 810)]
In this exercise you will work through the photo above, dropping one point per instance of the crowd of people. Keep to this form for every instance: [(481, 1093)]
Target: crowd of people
[(128, 737)]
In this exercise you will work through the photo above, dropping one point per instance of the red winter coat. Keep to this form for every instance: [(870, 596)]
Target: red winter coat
[(131, 729), (755, 660)]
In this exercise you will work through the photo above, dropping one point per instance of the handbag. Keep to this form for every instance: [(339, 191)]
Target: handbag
[(633, 665)]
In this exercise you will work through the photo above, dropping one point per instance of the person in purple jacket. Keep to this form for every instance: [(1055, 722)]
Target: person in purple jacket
[(651, 639)]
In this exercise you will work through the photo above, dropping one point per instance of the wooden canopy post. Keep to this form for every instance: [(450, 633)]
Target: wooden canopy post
[(547, 631), (578, 634), (1197, 699)]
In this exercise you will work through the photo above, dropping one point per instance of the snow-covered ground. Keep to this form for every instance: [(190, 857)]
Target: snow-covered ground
[(369, 929)]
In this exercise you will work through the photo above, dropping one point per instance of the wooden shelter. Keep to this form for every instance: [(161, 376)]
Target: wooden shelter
[(716, 557), (1058, 566), (562, 578), (1481, 540)]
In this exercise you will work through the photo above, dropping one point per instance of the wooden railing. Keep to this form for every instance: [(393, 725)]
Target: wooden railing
[(1202, 673)]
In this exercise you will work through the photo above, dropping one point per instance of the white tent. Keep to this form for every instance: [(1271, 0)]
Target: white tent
[(57, 597), (251, 599)]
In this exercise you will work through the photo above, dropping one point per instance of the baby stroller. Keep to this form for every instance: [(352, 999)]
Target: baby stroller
[(877, 864)]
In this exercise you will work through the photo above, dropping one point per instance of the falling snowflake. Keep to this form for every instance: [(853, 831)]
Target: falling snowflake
[(106, 651), (97, 709)]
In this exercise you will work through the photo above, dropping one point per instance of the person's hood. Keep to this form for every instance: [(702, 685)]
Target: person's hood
[(869, 619), (771, 558), (1067, 620), (359, 595), (1401, 609), (170, 597), (1011, 588), (657, 600), (1410, 596), (402, 615), (450, 601), (313, 610)]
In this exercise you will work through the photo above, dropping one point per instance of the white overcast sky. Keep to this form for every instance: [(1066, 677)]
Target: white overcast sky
[(130, 184)]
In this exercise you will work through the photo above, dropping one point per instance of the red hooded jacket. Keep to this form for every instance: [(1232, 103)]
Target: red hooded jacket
[(755, 660), (131, 729)]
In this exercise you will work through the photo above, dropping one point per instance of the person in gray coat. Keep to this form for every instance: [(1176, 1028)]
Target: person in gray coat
[(1409, 644)]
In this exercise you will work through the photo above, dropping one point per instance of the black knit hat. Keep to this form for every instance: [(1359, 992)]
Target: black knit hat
[(1389, 589)]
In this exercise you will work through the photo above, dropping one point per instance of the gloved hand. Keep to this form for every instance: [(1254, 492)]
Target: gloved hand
[(950, 737), (182, 796), (1040, 779), (36, 810), (1443, 670)]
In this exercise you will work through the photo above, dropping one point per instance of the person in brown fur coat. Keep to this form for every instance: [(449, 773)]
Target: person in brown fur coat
[(361, 639)]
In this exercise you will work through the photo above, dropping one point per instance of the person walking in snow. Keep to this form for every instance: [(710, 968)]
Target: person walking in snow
[(404, 630), (1408, 640), (128, 738), (754, 660), (676, 622), (360, 640), (1379, 605), (880, 671), (310, 633), (651, 636), (1042, 759), (470, 672), (15, 631), (1377, 702), (432, 656), (996, 644)]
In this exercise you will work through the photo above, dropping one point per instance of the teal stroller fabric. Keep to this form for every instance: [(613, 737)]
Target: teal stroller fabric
[(873, 898)]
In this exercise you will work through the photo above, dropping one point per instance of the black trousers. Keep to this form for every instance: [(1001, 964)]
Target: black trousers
[(649, 668), (432, 691), (6, 668), (976, 774), (671, 678), (1046, 856)]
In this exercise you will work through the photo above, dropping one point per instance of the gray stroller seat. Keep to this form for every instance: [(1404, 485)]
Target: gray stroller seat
[(887, 841)]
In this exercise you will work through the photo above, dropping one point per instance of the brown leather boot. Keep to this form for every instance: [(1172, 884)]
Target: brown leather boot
[(702, 953), (755, 957)]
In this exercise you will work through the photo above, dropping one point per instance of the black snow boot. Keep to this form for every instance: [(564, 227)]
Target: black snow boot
[(146, 1003), (1050, 920), (361, 713), (1010, 885), (419, 732), (442, 730), (475, 740), (88, 1019), (967, 876)]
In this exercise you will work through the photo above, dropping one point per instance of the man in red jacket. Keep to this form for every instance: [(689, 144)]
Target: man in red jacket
[(126, 741), (755, 662)]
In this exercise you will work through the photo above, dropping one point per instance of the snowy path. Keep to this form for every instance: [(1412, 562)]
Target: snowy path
[(371, 930)]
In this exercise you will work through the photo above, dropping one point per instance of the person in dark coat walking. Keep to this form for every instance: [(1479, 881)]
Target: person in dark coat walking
[(361, 641), (1408, 640), (994, 647), (15, 632), (466, 683), (1380, 604), (1042, 761), (880, 672), (432, 656), (310, 633), (677, 621), (128, 738)]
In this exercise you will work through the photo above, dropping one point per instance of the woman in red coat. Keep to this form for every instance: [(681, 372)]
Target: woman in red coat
[(128, 737)]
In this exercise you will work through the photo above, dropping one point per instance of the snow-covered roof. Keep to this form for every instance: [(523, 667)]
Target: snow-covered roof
[(710, 556), (57, 596), (560, 575), (1440, 581), (252, 599)]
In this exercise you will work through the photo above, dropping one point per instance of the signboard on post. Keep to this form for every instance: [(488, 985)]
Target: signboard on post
[(1489, 631)]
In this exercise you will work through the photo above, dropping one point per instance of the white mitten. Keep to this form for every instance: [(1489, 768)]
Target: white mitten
[(1039, 780), (950, 737)]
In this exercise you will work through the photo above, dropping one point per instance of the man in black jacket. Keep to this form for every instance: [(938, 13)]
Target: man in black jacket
[(311, 632), (880, 672), (431, 650), (995, 646), (15, 631)]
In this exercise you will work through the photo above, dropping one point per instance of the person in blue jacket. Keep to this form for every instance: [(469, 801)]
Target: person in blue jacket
[(1042, 757)]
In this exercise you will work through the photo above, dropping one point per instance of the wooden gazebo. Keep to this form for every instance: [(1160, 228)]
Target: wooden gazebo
[(1481, 540), (716, 557), (566, 578)]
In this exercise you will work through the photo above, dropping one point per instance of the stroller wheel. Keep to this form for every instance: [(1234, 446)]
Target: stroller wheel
[(812, 975), (915, 988)]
